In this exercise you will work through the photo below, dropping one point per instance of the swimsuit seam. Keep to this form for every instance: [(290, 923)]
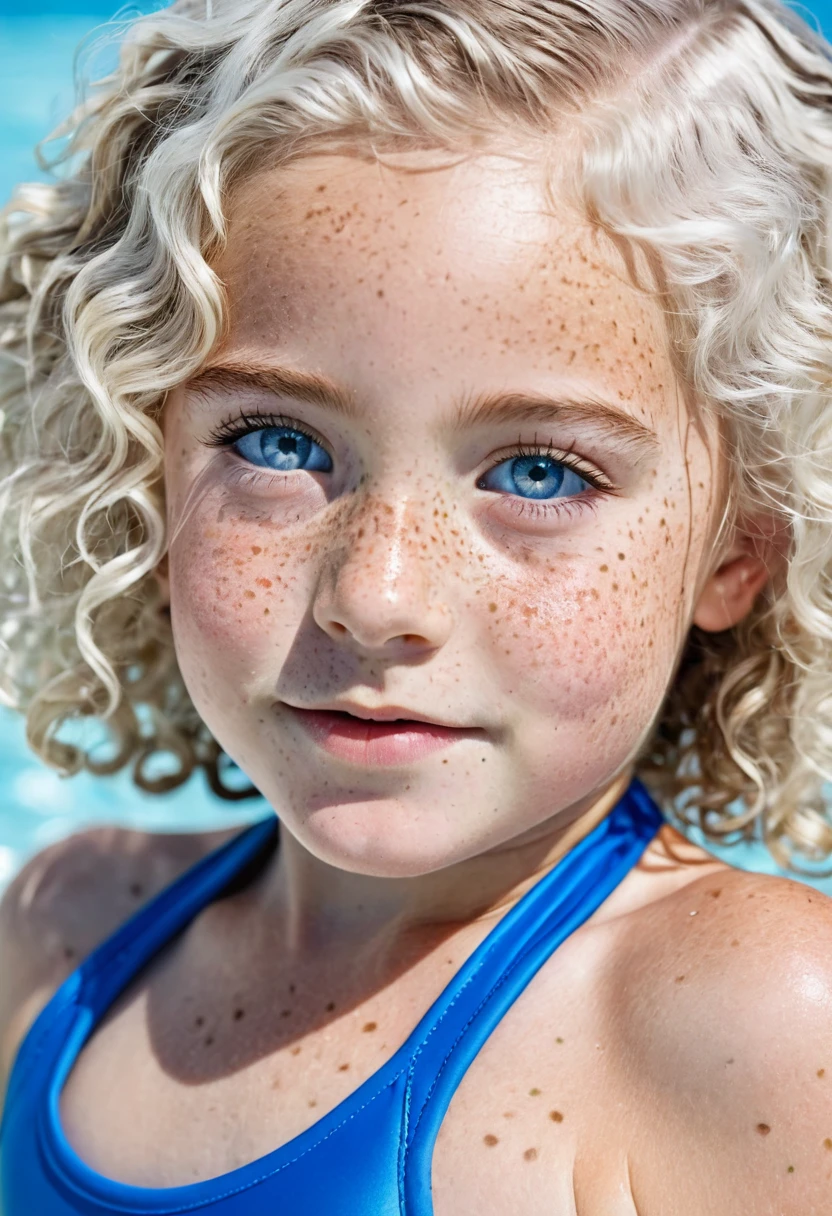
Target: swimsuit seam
[(418, 1049), (464, 1030), (516, 961), (403, 1140), (238, 1190)]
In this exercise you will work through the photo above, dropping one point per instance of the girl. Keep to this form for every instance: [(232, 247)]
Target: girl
[(429, 407)]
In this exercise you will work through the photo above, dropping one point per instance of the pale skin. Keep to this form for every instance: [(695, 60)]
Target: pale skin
[(672, 1055)]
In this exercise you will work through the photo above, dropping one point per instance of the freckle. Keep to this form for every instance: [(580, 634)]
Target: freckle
[(330, 1007), (530, 1154), (621, 557), (827, 1143), (209, 1040), (199, 1021), (266, 612), (69, 952), (558, 1039), (735, 942), (380, 293), (490, 1140), (256, 549), (821, 1072), (615, 588), (492, 607), (715, 894), (534, 1092), (369, 1027), (731, 1061), (343, 1067), (556, 1116), (603, 569), (763, 1129), (285, 1013), (239, 1014), (790, 1170), (679, 979), (508, 1114), (294, 1051), (249, 595), (136, 889), (312, 1102)]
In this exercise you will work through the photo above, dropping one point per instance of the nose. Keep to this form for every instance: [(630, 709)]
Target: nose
[(380, 592)]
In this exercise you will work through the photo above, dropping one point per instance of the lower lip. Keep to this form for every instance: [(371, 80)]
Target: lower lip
[(375, 743)]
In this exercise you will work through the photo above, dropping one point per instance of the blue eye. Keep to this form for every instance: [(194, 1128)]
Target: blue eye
[(534, 476), (283, 449)]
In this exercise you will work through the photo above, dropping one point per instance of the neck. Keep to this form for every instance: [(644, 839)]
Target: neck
[(322, 909)]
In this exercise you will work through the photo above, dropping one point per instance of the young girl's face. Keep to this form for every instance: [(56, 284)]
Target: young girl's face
[(477, 500)]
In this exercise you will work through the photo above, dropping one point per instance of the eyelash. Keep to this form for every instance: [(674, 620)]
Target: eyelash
[(228, 432), (568, 457), (527, 508), (232, 429)]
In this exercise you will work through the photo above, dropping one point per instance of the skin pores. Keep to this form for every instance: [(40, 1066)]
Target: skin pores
[(550, 630)]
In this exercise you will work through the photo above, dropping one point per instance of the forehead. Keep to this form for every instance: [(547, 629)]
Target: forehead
[(436, 269)]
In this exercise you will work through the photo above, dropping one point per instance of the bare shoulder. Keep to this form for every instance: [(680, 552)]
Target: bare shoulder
[(730, 1026), (67, 900)]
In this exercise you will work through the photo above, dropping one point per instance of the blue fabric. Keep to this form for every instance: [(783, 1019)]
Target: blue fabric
[(371, 1155)]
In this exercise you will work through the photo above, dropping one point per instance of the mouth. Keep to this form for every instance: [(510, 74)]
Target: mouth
[(386, 735)]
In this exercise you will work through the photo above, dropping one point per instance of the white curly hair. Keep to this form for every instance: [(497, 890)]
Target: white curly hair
[(704, 150)]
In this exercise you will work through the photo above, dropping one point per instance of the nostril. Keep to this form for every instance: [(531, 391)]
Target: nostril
[(339, 628), (414, 639)]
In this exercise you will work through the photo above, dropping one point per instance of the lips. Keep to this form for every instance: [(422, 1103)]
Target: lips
[(386, 738)]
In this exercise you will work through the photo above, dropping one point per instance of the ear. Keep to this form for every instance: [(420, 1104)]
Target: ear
[(744, 569)]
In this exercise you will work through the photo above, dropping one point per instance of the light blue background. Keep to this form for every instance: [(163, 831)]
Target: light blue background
[(37, 45)]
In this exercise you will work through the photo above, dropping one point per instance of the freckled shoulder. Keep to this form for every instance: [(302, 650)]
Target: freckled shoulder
[(67, 900), (720, 999)]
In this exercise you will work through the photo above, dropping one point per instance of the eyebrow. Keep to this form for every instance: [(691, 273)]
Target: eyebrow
[(492, 409), (586, 410), (248, 376)]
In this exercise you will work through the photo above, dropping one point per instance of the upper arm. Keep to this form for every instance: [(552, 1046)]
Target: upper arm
[(734, 1040), (66, 901)]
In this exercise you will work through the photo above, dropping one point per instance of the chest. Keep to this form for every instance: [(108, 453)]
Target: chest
[(538, 1098)]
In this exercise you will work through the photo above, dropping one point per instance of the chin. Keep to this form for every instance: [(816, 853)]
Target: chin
[(382, 839)]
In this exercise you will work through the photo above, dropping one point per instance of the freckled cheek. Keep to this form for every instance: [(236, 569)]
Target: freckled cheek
[(569, 645), (234, 592)]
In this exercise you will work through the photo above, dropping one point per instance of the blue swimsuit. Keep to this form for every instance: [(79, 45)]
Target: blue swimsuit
[(371, 1155)]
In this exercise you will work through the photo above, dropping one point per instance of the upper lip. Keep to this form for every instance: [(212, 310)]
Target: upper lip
[(378, 713)]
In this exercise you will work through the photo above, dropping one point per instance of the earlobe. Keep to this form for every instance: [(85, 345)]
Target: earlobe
[(730, 592)]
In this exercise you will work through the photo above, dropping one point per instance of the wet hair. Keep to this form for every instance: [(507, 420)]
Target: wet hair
[(702, 136)]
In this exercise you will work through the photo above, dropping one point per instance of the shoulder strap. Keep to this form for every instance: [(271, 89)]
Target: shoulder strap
[(503, 966), (110, 968)]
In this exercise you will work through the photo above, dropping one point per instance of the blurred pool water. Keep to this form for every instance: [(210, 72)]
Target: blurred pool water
[(38, 806)]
